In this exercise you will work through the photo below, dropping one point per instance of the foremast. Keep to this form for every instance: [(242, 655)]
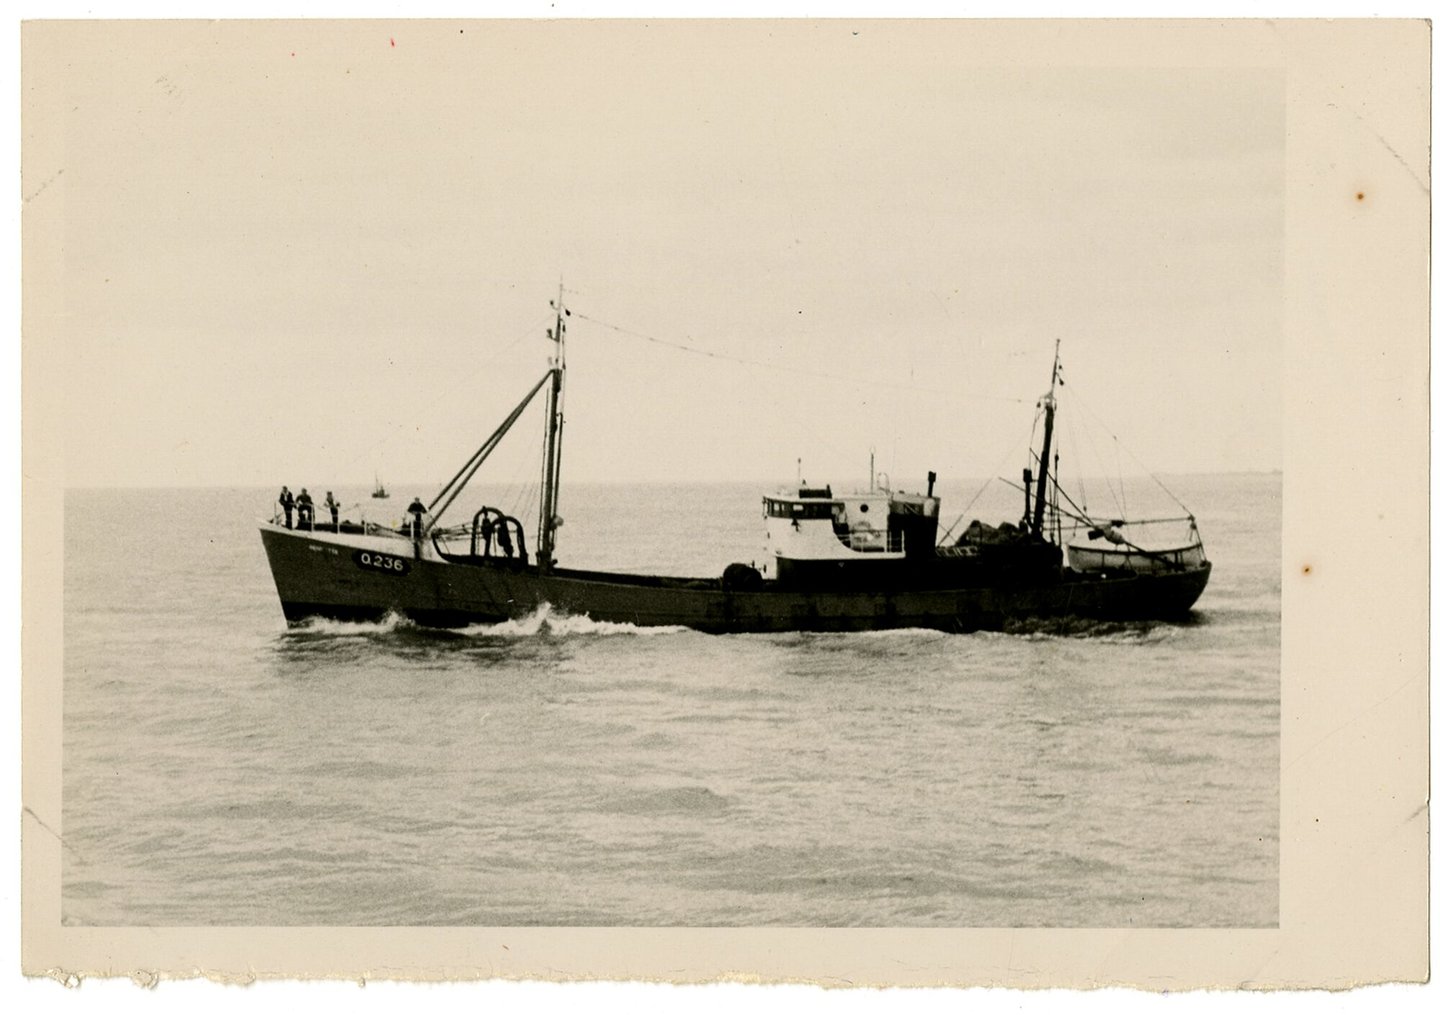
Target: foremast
[(1048, 404), (554, 432)]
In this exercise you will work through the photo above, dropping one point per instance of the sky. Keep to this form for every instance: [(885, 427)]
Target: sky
[(316, 253)]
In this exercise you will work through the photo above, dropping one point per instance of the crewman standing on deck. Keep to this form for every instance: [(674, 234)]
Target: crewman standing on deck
[(287, 501), (417, 509), (334, 509), (306, 507)]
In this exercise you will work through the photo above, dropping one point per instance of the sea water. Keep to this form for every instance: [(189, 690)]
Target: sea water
[(222, 768)]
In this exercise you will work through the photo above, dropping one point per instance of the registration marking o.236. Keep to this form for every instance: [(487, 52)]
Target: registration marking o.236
[(369, 560)]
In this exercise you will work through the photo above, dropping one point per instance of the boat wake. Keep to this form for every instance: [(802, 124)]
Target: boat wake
[(326, 627), (545, 621), (909, 634), (1041, 628)]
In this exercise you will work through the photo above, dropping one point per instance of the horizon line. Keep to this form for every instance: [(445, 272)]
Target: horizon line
[(767, 482)]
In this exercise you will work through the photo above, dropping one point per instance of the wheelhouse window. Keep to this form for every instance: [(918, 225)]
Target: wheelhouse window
[(808, 509)]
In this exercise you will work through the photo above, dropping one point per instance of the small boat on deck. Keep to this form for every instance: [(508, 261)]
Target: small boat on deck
[(856, 561), (1123, 555)]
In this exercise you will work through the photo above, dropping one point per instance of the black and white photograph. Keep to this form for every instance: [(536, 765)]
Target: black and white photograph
[(675, 477)]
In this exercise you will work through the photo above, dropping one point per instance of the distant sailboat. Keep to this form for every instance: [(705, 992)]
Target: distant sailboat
[(379, 492)]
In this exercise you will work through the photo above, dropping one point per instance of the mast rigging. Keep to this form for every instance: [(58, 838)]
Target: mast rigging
[(1048, 404), (554, 431)]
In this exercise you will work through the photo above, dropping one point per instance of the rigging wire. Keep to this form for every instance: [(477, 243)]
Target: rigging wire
[(1069, 425), (1071, 514), (966, 510), (514, 497), (529, 497), (795, 421), (1094, 449), (711, 354), (1055, 483), (447, 393), (816, 435), (1145, 468), (1120, 476), (517, 497)]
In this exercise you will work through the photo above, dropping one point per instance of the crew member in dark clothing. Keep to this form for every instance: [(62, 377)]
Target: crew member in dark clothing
[(502, 536), (306, 507), (287, 501), (417, 509), (334, 510), (487, 532)]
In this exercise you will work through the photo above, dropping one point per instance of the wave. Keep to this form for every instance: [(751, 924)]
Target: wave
[(671, 800), (546, 621), (387, 624), (1071, 628), (1067, 628), (908, 633)]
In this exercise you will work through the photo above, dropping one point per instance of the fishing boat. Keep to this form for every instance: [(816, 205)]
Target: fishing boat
[(379, 493), (837, 561)]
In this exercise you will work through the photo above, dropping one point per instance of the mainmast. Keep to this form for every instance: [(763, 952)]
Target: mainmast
[(554, 429), (1048, 403)]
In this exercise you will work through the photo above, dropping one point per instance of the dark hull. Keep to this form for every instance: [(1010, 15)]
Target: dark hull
[(319, 577)]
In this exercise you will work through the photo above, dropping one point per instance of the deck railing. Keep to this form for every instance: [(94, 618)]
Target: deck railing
[(353, 518)]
